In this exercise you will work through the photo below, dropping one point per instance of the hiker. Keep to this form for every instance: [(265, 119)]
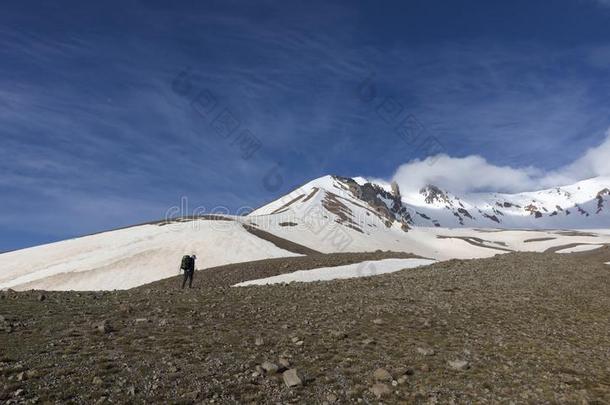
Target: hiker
[(188, 266)]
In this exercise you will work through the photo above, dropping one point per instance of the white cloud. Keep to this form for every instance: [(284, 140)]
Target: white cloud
[(474, 173), (465, 174), (595, 162)]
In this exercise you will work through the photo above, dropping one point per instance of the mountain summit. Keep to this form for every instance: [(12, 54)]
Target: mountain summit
[(583, 205), (331, 214)]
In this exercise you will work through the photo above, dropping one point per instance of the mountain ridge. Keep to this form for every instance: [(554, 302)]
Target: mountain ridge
[(328, 215), (587, 200)]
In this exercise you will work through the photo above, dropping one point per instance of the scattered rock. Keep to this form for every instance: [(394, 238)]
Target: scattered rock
[(284, 362), (369, 342), (382, 374), (42, 297), (380, 390), (259, 341), (426, 351), (291, 378), (104, 327), (97, 381), (339, 335), (141, 320), (459, 365), (331, 398), (270, 368), (378, 321)]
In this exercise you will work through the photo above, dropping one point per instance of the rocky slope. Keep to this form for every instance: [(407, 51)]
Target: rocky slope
[(520, 327)]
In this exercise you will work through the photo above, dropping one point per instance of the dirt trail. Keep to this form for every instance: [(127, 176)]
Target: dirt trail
[(556, 249), (280, 242), (538, 240)]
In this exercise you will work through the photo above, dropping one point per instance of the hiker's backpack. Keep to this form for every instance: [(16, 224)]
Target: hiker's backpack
[(186, 262)]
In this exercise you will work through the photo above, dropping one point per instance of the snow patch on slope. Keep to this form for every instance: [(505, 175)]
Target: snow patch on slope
[(363, 269), (131, 257), (580, 248)]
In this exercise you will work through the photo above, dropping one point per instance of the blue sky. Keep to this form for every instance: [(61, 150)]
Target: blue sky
[(97, 133)]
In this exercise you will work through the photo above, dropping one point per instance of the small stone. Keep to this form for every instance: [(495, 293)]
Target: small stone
[(21, 376), (270, 368), (295, 339), (380, 390), (378, 321), (369, 342), (331, 398), (339, 335), (284, 362), (401, 380), (299, 343), (104, 327), (291, 378), (32, 374), (42, 297), (382, 374), (425, 368), (18, 392), (259, 341), (459, 365), (426, 351), (141, 320), (97, 381)]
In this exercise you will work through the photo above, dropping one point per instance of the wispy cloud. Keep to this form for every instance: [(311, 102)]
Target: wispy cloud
[(88, 118), (603, 2)]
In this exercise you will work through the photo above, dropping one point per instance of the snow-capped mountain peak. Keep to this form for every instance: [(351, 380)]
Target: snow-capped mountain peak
[(581, 205)]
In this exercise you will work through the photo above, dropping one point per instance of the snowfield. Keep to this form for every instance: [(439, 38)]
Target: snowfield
[(364, 269), (131, 257)]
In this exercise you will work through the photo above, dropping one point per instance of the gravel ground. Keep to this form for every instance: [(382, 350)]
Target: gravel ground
[(520, 327)]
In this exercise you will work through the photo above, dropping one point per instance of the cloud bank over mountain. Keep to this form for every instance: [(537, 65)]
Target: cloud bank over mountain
[(474, 173)]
